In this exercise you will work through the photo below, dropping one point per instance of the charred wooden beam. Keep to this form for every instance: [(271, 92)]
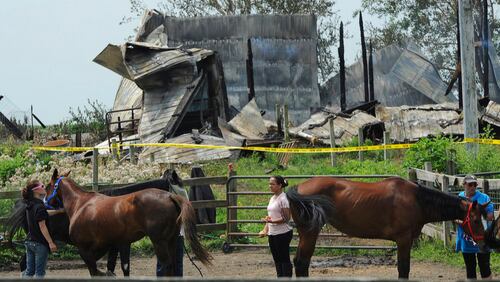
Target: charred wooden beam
[(363, 55), (250, 84), (453, 79), (370, 71), (343, 103), (11, 126)]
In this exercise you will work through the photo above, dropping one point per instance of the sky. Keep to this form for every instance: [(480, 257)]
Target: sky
[(48, 47)]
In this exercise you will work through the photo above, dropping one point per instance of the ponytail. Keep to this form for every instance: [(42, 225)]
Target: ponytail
[(280, 180)]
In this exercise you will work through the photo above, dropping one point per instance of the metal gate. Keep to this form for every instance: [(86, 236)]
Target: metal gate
[(232, 231)]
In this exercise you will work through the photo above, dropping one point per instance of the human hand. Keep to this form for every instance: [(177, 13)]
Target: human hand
[(267, 219), (53, 247), (262, 233)]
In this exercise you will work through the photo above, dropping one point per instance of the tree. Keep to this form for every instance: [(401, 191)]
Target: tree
[(432, 24), (91, 118), (328, 19)]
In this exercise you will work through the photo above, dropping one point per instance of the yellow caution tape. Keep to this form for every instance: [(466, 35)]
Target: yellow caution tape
[(222, 147), (482, 141), (262, 149), (63, 149)]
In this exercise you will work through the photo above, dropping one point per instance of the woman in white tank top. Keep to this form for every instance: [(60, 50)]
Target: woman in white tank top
[(277, 229)]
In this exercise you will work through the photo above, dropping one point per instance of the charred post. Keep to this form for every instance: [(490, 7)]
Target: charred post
[(363, 55), (250, 84), (370, 71), (343, 104)]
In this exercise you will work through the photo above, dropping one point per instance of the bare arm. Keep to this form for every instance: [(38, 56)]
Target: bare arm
[(54, 212), (285, 217), (46, 234)]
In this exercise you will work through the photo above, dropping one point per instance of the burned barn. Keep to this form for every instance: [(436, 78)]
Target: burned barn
[(401, 76)]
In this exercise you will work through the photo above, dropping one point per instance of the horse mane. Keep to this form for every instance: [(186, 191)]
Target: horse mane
[(437, 205), (311, 211), (170, 177), (162, 184)]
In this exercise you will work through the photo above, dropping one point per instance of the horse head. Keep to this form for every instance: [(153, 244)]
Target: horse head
[(53, 200), (473, 224)]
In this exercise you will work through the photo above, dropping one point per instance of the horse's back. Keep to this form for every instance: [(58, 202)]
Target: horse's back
[(328, 185)]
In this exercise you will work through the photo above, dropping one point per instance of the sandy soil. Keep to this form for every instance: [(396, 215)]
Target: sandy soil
[(258, 264)]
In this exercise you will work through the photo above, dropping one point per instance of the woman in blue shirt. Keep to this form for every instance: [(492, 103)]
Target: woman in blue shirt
[(470, 250)]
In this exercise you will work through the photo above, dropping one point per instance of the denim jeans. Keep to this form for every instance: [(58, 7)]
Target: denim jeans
[(36, 259), (162, 270)]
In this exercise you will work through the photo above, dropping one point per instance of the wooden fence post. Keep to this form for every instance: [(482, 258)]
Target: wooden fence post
[(446, 224), (95, 169), (412, 175), (114, 151), (387, 141), (428, 166), (133, 156), (361, 141), (332, 142), (486, 186)]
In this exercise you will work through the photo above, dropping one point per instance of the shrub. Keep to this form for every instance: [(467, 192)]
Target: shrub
[(434, 150)]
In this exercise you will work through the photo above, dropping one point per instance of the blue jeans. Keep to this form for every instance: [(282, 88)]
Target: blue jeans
[(36, 259), (179, 256)]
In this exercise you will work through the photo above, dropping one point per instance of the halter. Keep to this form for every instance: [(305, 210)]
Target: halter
[(467, 223), (54, 195)]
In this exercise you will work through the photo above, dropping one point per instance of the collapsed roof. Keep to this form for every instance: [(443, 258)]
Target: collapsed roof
[(402, 76)]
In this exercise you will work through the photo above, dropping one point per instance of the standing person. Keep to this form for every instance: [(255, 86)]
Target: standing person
[(277, 229), (464, 243), (176, 187), (38, 241)]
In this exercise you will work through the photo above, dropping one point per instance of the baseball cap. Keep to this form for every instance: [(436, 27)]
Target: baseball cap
[(469, 178)]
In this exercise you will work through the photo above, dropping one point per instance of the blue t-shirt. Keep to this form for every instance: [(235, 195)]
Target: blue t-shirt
[(464, 243)]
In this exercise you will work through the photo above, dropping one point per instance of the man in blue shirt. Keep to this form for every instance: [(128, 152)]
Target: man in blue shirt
[(470, 250)]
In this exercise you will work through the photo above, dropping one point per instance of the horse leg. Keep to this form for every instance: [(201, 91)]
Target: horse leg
[(305, 250), (404, 249), (125, 259), (90, 258)]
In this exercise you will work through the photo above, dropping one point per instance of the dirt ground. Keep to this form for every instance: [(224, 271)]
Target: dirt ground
[(258, 264)]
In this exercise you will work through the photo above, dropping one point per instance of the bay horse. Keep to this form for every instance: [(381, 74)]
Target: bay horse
[(59, 223), (392, 209), (97, 221)]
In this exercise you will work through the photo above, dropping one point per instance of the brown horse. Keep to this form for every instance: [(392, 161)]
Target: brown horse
[(97, 221), (393, 209)]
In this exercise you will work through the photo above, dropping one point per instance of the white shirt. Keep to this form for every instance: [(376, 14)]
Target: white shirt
[(276, 204)]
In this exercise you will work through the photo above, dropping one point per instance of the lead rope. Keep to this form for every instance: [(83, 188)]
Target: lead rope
[(191, 260)]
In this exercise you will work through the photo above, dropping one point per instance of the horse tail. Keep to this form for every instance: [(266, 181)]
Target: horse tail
[(187, 218), (16, 220), (311, 211)]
